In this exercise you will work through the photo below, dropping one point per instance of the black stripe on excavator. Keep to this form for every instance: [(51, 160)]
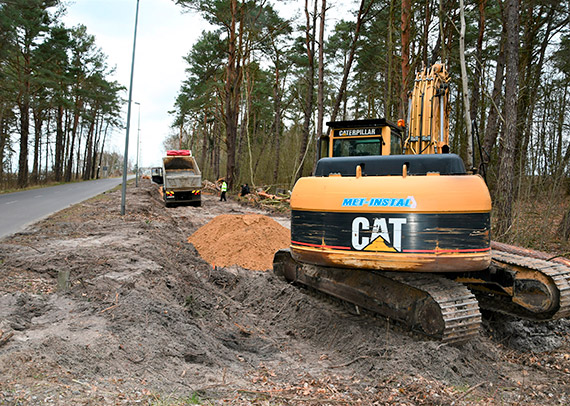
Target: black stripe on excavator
[(419, 233)]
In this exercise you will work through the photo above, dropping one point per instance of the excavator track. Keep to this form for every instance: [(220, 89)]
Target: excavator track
[(433, 306), (522, 286)]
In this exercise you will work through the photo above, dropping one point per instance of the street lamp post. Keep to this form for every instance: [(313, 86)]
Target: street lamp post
[(126, 156), (138, 145)]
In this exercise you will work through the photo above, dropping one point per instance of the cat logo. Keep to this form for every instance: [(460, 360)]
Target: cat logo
[(380, 239)]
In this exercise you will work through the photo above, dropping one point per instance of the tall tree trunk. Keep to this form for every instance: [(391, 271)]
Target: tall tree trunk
[(277, 95), (59, 145), (24, 108), (362, 12), (308, 107), (67, 141), (204, 142), (216, 155), (425, 38), (321, 70), (46, 177), (561, 161), (98, 131), (441, 17), (3, 141), (25, 73), (89, 150), (507, 161), (530, 31), (76, 116), (526, 114), (406, 19), (232, 95), (245, 130), (78, 157), (475, 88), (102, 149), (564, 226), (38, 121), (69, 163), (465, 86), (492, 128), (388, 109)]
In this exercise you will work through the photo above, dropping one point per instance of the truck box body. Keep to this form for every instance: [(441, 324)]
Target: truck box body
[(182, 179)]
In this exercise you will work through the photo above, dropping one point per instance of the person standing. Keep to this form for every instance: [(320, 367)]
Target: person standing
[(224, 189)]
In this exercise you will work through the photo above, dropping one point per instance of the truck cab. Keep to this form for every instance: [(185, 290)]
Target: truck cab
[(156, 175)]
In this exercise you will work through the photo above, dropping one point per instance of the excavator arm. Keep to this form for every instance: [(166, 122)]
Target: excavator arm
[(428, 113)]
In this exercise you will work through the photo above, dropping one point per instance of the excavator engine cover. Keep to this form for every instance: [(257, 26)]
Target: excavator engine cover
[(361, 212)]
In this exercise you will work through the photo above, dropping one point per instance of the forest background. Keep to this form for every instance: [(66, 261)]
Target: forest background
[(260, 88)]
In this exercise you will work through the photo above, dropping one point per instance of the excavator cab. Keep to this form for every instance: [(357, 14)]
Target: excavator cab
[(427, 130), (373, 137)]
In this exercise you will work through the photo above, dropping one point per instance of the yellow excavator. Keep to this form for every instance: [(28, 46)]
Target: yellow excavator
[(393, 223)]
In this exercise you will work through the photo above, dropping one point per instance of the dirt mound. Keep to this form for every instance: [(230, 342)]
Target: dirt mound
[(247, 240)]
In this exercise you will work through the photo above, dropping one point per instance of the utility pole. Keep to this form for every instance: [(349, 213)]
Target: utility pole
[(126, 156)]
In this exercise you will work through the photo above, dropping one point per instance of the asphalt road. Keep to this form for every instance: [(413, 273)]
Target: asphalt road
[(20, 209)]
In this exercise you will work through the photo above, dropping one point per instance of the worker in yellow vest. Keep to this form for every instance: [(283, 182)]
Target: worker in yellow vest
[(224, 189)]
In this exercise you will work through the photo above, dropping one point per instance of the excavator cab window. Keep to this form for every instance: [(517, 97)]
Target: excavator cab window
[(357, 146), (369, 147)]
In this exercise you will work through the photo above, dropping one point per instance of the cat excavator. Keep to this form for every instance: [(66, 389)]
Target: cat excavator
[(393, 223)]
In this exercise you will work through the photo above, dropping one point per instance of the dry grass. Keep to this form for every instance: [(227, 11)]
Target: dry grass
[(536, 219)]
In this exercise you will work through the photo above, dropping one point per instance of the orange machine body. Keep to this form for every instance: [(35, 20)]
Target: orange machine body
[(371, 205), (430, 223)]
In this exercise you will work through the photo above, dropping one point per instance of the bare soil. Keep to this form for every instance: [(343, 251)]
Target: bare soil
[(146, 320)]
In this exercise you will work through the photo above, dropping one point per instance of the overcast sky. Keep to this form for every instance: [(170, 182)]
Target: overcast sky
[(165, 35)]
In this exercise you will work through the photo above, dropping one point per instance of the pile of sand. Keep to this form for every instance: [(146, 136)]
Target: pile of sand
[(249, 241)]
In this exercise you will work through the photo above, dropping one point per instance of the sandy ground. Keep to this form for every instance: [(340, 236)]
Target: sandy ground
[(145, 320)]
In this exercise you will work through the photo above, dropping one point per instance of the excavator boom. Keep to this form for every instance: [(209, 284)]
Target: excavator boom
[(428, 122)]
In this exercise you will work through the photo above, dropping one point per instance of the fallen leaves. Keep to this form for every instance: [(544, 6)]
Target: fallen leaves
[(338, 389)]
